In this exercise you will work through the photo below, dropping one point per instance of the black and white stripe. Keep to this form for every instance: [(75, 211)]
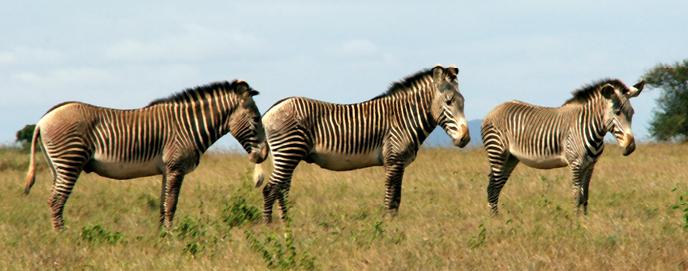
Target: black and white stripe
[(385, 131), (166, 137), (571, 135)]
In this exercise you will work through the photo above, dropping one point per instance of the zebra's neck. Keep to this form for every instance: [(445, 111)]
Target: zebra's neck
[(205, 121), (591, 125), (413, 113)]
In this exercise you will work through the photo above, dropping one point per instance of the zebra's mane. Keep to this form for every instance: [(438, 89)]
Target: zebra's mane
[(405, 84), (193, 93), (584, 93)]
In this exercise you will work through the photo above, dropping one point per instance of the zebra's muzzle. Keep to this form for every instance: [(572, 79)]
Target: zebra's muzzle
[(463, 141), (258, 155), (630, 147)]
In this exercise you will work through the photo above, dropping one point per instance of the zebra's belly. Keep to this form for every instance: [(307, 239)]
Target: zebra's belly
[(342, 162), (125, 170), (541, 162)]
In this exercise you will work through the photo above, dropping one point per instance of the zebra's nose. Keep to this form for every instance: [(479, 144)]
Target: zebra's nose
[(258, 155), (630, 147), (464, 141), (254, 157)]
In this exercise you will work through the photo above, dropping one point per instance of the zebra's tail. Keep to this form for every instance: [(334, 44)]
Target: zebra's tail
[(31, 174), (258, 175)]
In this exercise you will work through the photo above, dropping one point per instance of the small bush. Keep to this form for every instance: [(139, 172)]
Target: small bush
[(279, 252), (682, 204), (238, 212), (193, 232), (96, 234), (478, 240)]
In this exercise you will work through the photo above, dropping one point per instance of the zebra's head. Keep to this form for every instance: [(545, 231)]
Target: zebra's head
[(246, 126), (619, 113), (447, 106)]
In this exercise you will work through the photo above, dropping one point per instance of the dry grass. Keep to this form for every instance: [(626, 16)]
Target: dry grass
[(338, 223)]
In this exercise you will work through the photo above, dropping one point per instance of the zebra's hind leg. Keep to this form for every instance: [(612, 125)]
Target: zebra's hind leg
[(62, 188), (278, 185), (394, 175), (67, 171), (172, 186), (500, 170), (282, 199)]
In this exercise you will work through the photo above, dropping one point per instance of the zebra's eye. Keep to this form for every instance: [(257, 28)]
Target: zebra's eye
[(617, 111)]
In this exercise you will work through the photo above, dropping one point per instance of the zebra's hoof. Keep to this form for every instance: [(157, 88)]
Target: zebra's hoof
[(391, 213)]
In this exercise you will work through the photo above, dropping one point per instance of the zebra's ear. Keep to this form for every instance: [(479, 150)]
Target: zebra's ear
[(253, 92), (241, 86), (638, 88), (608, 91), (453, 72), (437, 73)]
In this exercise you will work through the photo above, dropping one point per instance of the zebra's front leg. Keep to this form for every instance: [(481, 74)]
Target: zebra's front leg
[(171, 186), (583, 191), (163, 198), (394, 175)]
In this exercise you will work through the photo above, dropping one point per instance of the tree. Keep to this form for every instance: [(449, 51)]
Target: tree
[(25, 135), (670, 120)]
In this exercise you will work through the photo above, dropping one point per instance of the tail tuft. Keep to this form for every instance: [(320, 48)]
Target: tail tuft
[(258, 176)]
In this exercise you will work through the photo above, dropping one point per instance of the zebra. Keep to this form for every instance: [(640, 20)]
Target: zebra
[(570, 135), (385, 131), (166, 138)]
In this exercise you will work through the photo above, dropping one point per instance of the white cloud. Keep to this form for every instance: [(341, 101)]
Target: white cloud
[(59, 77), (361, 52), (194, 42), (7, 58), (357, 48), (30, 55)]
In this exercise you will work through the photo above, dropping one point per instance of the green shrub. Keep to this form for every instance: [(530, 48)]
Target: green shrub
[(238, 212), (279, 252), (193, 232), (682, 204), (478, 240), (96, 234)]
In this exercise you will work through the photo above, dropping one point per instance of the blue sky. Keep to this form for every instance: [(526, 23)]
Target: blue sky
[(124, 54)]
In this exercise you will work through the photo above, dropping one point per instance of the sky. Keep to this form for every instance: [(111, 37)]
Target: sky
[(124, 54)]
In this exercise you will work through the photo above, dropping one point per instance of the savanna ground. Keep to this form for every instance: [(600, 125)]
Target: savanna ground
[(638, 218)]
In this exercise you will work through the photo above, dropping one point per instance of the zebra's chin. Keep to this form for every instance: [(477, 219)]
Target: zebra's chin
[(463, 141), (629, 149)]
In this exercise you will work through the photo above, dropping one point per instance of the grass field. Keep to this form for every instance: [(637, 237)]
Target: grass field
[(638, 218)]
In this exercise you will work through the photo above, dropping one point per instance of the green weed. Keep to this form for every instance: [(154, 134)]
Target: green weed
[(97, 234)]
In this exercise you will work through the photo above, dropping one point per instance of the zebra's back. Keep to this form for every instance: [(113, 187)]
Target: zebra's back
[(339, 136), (534, 134), (119, 143)]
